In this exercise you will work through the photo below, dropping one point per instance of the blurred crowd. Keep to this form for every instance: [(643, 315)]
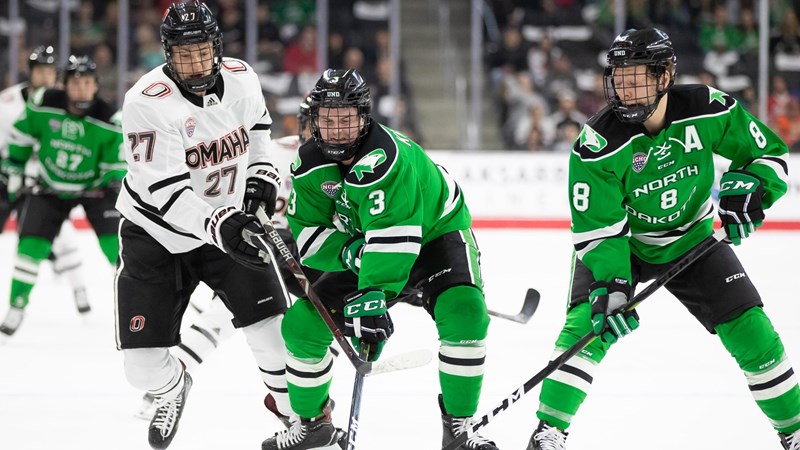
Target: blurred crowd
[(546, 60), (286, 47)]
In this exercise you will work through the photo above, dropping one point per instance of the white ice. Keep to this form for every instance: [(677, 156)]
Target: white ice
[(669, 385)]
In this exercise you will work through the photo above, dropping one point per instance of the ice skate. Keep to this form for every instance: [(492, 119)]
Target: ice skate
[(790, 441), (548, 438), (269, 403), (456, 426), (167, 415), (307, 434), (82, 301), (13, 320), (147, 409)]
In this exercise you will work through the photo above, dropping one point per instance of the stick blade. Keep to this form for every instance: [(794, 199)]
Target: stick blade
[(529, 307), (403, 361)]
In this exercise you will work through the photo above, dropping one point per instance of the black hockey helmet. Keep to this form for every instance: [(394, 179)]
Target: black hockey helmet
[(191, 23), (651, 48), (42, 55), (79, 66), (340, 89), (304, 118)]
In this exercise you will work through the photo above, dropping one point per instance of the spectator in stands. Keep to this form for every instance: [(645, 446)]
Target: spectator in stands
[(748, 32), (301, 56), (149, 52), (107, 73), (509, 58), (534, 120), (589, 102), (535, 142), (787, 125), (720, 34), (292, 15), (560, 79), (270, 47), (566, 132), (232, 26), (788, 41), (86, 33), (779, 97), (335, 49), (674, 15), (520, 96), (540, 58)]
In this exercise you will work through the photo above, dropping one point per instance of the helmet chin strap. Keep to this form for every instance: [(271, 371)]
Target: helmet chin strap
[(82, 106)]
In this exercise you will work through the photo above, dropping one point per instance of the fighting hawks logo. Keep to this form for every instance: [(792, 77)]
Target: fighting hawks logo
[(331, 188), (190, 125), (368, 163), (639, 161), (592, 139)]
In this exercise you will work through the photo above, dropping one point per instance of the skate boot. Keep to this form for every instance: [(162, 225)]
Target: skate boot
[(82, 301), (148, 407), (168, 413), (306, 434), (456, 426), (790, 441), (548, 438), (12, 321), (269, 403)]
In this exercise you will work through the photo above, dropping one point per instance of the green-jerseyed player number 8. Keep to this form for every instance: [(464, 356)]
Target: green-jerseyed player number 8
[(758, 136), (580, 196), (669, 198)]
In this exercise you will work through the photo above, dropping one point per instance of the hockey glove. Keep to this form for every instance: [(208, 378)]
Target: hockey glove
[(15, 179), (740, 208), (366, 318), (231, 230), (260, 193), (351, 253), (609, 321)]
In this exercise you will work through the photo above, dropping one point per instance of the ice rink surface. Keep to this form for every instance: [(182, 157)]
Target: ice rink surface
[(670, 385)]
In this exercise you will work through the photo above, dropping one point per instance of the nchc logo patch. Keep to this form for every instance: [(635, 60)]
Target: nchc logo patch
[(639, 161), (331, 188)]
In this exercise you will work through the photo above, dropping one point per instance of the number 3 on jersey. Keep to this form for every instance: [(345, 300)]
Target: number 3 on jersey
[(378, 202)]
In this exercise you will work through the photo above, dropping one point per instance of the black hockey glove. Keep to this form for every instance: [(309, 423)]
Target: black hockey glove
[(609, 321), (260, 193), (230, 229), (740, 207), (366, 318)]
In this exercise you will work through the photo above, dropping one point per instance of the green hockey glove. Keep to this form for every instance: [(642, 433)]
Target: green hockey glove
[(740, 207), (609, 321), (351, 253), (366, 318), (15, 175)]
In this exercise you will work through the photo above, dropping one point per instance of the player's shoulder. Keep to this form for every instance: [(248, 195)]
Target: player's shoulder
[(240, 79), (378, 155), (602, 135), (286, 143), (12, 93), (104, 112), (50, 98), (154, 89), (692, 100), (309, 158)]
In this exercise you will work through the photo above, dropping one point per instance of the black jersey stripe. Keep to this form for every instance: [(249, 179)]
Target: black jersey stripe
[(277, 389), (774, 382), (261, 164), (577, 372), (311, 240), (173, 199), (191, 353), (301, 374), (394, 239), (168, 181), (276, 373), (206, 333), (152, 213), (778, 161), (462, 361), (581, 245), (260, 127)]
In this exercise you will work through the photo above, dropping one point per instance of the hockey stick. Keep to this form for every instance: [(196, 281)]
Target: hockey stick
[(409, 360), (355, 404), (676, 268), (528, 308)]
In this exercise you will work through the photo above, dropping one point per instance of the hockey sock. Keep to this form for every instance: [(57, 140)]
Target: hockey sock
[(109, 244), (154, 370), (566, 388), (266, 343), (203, 336), (309, 361), (757, 348), (31, 252), (462, 322), (67, 259)]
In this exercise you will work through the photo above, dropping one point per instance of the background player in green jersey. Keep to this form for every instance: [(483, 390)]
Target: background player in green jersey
[(640, 180), (402, 222), (78, 138)]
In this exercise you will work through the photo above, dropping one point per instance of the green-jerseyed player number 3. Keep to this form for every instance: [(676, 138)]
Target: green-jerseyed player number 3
[(379, 202)]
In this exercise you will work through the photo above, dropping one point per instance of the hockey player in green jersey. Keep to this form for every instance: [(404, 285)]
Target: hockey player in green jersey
[(640, 180), (400, 221), (79, 139)]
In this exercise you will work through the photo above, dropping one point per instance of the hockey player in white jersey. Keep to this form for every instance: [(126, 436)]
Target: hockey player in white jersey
[(197, 131), (66, 256)]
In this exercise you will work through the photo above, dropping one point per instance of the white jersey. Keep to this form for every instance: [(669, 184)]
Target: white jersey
[(188, 155), (282, 153), (12, 105)]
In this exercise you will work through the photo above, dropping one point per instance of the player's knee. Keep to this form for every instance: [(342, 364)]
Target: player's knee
[(304, 332), (461, 314), (265, 341), (34, 248), (148, 369), (751, 339)]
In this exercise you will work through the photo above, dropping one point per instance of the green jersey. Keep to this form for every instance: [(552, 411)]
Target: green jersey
[(393, 195), (75, 153), (650, 195)]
